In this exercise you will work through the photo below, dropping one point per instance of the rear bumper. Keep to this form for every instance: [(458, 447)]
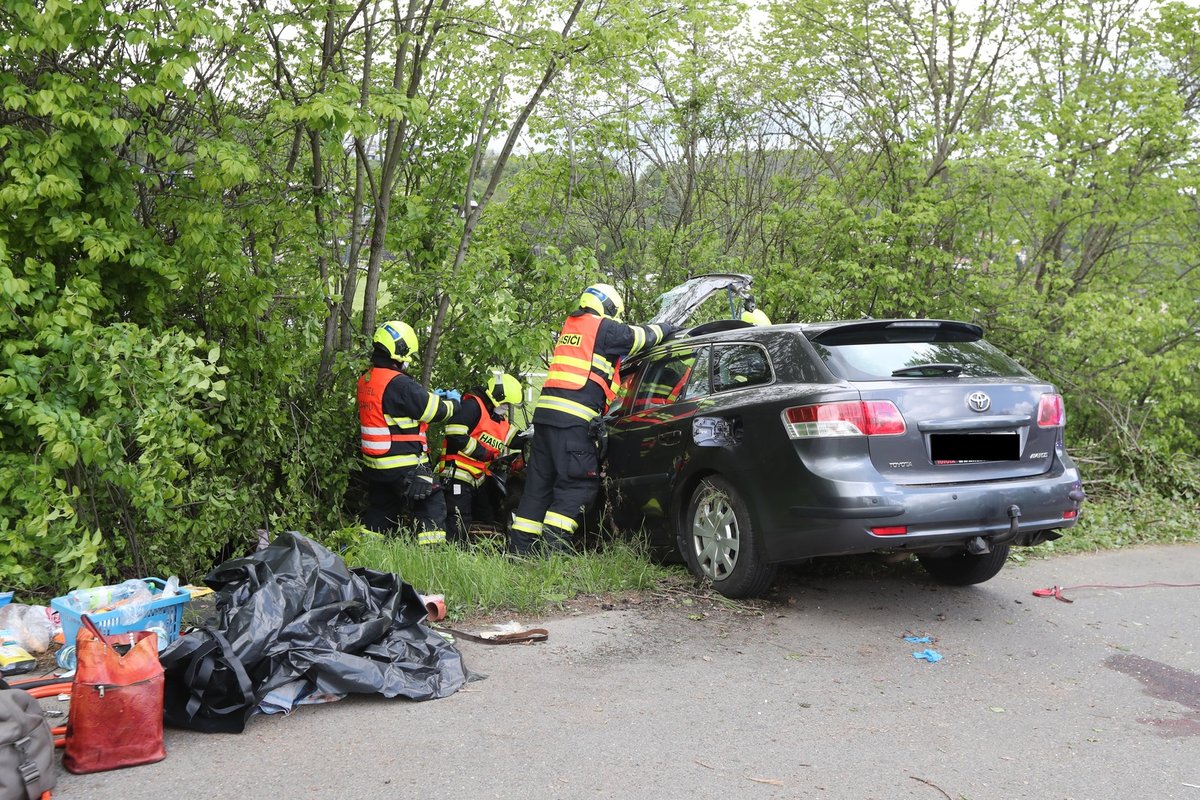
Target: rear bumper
[(935, 516)]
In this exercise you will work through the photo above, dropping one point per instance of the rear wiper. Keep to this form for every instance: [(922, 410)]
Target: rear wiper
[(928, 371)]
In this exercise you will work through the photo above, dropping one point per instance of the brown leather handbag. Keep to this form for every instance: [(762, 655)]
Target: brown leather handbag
[(116, 717)]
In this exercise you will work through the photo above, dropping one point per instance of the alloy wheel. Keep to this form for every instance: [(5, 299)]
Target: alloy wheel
[(715, 535)]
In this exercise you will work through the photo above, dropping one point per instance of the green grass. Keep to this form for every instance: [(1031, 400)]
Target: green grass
[(482, 580), (1113, 522)]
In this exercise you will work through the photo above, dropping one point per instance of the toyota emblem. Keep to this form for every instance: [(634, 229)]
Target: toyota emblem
[(978, 401)]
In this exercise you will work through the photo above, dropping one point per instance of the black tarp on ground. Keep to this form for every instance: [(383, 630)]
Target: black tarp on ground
[(294, 611)]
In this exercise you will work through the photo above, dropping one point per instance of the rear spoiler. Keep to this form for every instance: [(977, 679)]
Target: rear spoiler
[(873, 331)]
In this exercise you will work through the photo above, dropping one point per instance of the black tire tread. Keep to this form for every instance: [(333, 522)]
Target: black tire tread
[(965, 569)]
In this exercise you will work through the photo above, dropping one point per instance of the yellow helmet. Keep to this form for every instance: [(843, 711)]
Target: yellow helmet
[(756, 317), (398, 338), (603, 299), (504, 388)]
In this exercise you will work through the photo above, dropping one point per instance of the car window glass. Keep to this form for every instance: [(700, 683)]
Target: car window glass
[(878, 360), (666, 381), (620, 403), (697, 382), (740, 365)]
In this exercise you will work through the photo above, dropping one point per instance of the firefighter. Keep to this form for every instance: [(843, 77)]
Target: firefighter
[(394, 411), (563, 473), (754, 315), (477, 434)]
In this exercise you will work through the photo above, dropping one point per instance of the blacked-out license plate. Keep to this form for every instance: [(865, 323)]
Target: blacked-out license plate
[(967, 448)]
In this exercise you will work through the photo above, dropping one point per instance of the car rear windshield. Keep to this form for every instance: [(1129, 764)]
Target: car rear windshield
[(878, 354)]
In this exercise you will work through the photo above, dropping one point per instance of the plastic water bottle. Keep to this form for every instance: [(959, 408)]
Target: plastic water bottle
[(89, 600)]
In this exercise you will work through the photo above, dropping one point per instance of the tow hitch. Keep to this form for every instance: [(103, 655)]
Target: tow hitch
[(978, 546), (1014, 520)]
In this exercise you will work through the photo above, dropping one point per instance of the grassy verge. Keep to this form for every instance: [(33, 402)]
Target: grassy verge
[(483, 580), (1110, 523)]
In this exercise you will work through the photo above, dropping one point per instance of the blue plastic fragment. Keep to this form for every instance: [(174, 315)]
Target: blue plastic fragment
[(918, 639), (928, 655)]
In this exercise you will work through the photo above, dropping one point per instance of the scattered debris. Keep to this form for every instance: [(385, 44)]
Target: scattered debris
[(932, 656)]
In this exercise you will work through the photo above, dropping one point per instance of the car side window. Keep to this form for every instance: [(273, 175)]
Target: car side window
[(738, 366), (673, 378), (697, 382), (620, 404)]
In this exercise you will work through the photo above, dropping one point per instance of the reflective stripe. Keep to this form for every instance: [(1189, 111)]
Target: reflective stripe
[(431, 408), (431, 537), (561, 522), (602, 365), (461, 474), (457, 430), (639, 339), (526, 526), (571, 361), (569, 407), (456, 461), (370, 431), (391, 462), (470, 448)]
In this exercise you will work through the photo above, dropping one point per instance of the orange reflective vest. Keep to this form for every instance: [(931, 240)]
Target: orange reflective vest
[(384, 438), (575, 360), (490, 436)]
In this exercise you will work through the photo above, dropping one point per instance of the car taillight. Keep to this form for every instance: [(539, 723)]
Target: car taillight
[(890, 530), (851, 418), (1050, 411)]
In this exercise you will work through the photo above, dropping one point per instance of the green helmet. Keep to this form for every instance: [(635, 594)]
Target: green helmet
[(504, 388), (398, 339), (603, 299)]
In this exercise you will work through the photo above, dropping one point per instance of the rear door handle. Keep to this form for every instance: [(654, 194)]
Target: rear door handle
[(670, 437)]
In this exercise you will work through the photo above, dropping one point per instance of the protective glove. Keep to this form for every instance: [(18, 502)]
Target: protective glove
[(525, 434), (669, 330), (420, 484), (448, 394)]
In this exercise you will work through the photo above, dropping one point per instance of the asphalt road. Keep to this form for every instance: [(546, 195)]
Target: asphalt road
[(817, 696)]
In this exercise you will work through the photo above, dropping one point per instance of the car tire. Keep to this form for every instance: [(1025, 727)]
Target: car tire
[(719, 543), (965, 569)]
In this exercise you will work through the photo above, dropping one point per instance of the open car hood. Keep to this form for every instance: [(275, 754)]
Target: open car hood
[(677, 305)]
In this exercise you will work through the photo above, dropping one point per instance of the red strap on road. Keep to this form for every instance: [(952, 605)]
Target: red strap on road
[(1057, 591), (1053, 591)]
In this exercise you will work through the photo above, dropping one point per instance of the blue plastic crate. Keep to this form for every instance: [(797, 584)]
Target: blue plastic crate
[(166, 612)]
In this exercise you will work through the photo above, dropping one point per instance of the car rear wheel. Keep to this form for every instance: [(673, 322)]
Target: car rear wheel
[(965, 569), (719, 542)]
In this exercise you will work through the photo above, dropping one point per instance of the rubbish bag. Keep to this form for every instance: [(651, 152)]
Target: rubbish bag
[(295, 612), (30, 626), (116, 716)]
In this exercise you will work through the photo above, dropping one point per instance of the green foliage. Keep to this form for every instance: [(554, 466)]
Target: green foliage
[(190, 197)]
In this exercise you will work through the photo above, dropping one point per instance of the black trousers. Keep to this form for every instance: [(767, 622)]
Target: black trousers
[(460, 500), (562, 480), (387, 507)]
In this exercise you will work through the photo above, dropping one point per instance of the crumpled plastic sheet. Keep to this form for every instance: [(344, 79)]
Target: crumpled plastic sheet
[(932, 656), (295, 612)]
